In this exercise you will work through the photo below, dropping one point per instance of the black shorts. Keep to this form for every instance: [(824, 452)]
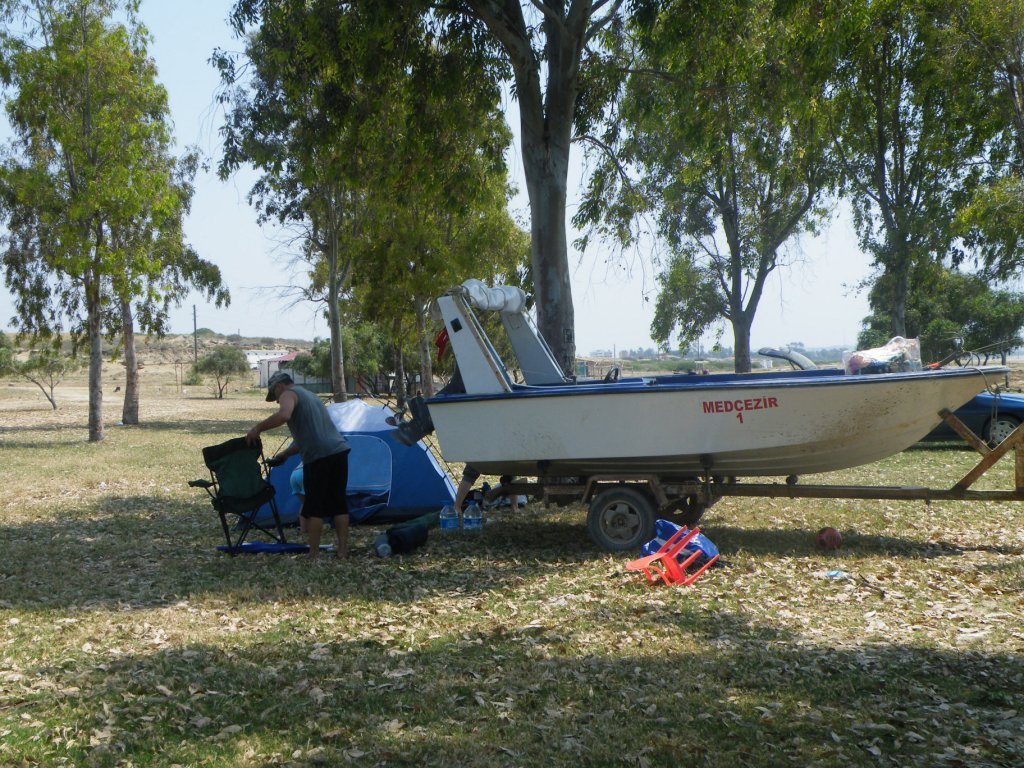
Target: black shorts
[(325, 480), (470, 474)]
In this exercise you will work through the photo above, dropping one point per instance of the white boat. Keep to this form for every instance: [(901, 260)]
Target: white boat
[(676, 426)]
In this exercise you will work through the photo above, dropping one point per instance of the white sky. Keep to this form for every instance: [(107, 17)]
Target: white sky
[(813, 302)]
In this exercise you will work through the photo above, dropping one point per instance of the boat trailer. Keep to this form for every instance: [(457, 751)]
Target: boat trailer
[(624, 506)]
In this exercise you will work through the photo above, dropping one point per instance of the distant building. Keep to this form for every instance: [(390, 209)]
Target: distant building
[(269, 366), (256, 356)]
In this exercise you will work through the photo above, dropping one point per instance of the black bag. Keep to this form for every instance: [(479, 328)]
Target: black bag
[(406, 538)]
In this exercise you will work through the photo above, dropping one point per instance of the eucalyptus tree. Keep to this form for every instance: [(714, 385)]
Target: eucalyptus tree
[(721, 141), (906, 133), (82, 171), (561, 82), (441, 213), (299, 104), (155, 237), (302, 110)]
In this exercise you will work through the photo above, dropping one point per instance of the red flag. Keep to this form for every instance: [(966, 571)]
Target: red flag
[(441, 342)]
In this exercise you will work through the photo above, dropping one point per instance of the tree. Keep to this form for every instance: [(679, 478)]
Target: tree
[(46, 368), (721, 139), (84, 173), (366, 352), (224, 364), (907, 134)]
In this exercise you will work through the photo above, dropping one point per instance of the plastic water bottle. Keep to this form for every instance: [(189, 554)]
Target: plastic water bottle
[(473, 519), (449, 519), (382, 546)]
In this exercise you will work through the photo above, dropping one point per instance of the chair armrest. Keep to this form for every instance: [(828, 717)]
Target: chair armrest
[(200, 484)]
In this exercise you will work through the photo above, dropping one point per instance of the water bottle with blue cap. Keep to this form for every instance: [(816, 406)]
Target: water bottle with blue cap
[(473, 520), (449, 518)]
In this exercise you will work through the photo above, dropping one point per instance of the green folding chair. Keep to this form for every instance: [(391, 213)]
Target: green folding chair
[(237, 489)]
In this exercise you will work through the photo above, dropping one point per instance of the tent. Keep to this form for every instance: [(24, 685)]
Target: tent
[(387, 482)]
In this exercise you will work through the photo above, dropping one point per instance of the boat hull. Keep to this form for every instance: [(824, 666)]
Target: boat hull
[(685, 426)]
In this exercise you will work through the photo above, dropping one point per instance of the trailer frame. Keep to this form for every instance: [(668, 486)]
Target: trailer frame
[(624, 506)]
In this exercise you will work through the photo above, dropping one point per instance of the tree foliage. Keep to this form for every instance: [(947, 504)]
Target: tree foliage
[(367, 352), (983, 45), (559, 79)]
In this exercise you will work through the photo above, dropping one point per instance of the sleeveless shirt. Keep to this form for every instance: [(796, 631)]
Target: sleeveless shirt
[(312, 428)]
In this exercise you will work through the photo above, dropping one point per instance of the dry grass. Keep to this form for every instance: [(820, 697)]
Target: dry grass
[(126, 639)]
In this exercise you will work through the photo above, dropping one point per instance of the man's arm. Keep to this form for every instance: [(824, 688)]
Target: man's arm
[(286, 404)]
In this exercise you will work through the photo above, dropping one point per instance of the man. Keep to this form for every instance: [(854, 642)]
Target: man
[(324, 457)]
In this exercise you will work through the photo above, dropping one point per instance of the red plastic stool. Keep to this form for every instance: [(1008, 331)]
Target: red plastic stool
[(665, 564)]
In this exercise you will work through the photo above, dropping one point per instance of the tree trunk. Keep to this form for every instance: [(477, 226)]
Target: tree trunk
[(46, 389), (741, 342), (546, 125), (334, 281), (550, 264), (400, 394), (900, 290), (130, 409), (94, 320), (426, 353)]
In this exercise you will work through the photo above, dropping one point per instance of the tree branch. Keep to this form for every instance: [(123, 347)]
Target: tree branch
[(600, 24), (550, 15)]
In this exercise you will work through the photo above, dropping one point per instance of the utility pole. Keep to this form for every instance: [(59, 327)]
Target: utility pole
[(195, 336)]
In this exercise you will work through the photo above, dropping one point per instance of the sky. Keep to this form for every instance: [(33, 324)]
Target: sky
[(813, 302)]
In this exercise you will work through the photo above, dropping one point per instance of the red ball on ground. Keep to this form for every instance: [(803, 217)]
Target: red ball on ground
[(828, 538)]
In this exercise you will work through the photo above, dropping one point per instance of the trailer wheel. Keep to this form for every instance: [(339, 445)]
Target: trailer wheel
[(691, 511), (621, 518), (999, 429)]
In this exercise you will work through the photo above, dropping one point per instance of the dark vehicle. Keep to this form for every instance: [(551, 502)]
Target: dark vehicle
[(991, 417)]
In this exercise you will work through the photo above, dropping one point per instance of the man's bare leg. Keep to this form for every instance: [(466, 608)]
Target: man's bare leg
[(465, 486), (314, 527)]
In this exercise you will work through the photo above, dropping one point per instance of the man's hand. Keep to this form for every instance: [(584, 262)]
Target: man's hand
[(275, 461), (252, 437)]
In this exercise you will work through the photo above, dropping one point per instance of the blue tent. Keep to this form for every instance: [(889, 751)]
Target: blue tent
[(387, 481)]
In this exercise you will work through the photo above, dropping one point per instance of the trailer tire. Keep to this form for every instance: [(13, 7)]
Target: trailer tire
[(999, 428), (690, 511), (621, 519)]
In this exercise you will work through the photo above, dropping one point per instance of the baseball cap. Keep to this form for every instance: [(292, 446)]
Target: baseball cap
[(279, 377)]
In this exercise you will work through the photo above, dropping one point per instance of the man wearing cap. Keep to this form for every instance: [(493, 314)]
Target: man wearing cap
[(324, 457)]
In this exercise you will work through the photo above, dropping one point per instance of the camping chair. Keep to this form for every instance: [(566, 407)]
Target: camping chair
[(666, 565), (237, 489)]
